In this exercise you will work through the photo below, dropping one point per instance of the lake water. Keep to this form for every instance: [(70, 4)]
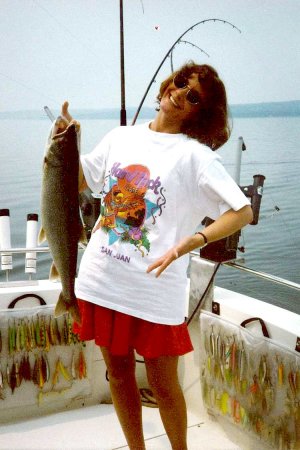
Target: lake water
[(272, 246)]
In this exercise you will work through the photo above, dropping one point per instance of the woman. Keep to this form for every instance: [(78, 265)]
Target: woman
[(158, 181)]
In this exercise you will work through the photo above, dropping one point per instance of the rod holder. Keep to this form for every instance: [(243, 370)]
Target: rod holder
[(5, 241), (31, 242), (241, 147)]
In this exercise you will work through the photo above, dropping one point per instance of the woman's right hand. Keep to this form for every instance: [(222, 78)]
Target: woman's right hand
[(67, 118), (65, 112)]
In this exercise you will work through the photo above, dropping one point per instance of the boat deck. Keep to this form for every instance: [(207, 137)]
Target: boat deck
[(97, 428)]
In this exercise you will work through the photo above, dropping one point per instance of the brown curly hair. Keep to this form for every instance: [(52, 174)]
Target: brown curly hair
[(210, 125)]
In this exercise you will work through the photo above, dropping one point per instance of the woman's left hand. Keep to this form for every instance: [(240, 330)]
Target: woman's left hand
[(227, 224), (184, 246), (164, 261)]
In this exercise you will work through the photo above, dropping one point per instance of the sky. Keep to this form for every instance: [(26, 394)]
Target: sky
[(56, 50)]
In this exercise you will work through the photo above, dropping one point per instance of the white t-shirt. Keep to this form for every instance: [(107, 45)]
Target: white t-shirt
[(156, 188)]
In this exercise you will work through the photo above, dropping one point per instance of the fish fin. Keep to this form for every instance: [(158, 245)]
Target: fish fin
[(42, 236), (53, 275), (83, 237), (62, 307)]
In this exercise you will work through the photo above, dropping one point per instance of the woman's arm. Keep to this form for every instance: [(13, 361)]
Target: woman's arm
[(227, 224)]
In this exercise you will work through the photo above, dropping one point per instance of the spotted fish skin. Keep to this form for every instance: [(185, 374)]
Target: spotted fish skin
[(61, 223)]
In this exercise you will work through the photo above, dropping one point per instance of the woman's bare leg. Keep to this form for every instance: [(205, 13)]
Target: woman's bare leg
[(126, 396), (163, 380)]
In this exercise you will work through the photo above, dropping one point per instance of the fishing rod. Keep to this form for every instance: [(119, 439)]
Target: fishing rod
[(185, 42), (123, 120), (169, 52)]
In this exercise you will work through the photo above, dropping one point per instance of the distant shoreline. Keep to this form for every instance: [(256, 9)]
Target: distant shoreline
[(272, 109)]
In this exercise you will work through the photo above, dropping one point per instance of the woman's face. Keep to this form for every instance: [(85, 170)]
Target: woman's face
[(175, 101)]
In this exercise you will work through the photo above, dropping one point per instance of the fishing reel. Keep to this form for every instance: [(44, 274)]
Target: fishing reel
[(226, 249)]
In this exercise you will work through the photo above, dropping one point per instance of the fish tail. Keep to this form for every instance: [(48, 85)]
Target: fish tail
[(63, 307)]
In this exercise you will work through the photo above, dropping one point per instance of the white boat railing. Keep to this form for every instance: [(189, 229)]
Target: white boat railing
[(232, 264), (258, 273), (264, 275)]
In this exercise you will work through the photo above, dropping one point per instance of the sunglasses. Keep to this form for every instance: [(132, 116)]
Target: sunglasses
[(181, 82)]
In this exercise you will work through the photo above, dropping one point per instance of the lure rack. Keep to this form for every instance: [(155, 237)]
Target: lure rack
[(42, 361), (250, 381)]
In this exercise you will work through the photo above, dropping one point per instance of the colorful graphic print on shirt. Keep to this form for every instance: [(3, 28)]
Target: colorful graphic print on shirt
[(125, 208)]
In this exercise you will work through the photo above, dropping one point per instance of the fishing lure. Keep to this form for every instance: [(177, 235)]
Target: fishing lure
[(37, 332), (227, 364), (82, 365), (35, 371), (40, 371), (65, 332), (64, 371), (42, 332), (12, 338), (7, 374), (224, 403), (52, 331), (218, 347), (14, 380), (212, 342), (280, 372), (254, 390), (69, 330), (25, 369), (22, 335), (227, 354), (242, 362), (292, 377), (47, 368), (268, 397), (58, 334), (262, 370), (236, 411), (46, 338), (60, 368), (2, 396), (32, 335), (73, 366), (55, 374), (18, 345), (233, 356)]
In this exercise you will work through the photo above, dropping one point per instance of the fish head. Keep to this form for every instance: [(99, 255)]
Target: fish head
[(63, 147)]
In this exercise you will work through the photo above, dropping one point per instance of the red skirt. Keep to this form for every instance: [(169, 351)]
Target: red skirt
[(120, 332)]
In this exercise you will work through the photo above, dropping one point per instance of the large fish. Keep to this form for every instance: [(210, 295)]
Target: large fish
[(61, 222)]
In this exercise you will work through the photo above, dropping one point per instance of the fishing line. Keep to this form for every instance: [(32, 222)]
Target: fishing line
[(29, 88), (202, 22), (73, 36), (276, 211), (142, 6)]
